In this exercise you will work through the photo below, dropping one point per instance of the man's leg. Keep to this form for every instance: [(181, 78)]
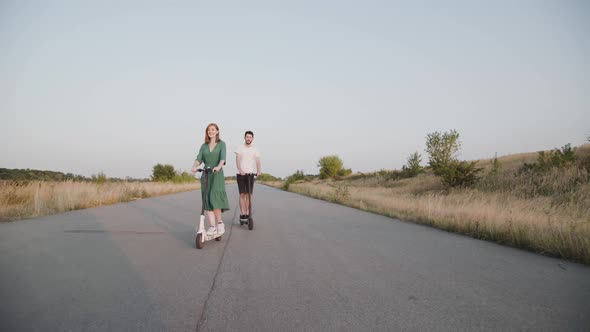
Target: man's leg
[(247, 204), (243, 206)]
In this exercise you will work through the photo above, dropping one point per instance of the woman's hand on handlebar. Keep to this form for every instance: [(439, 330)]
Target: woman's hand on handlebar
[(216, 169), (194, 169)]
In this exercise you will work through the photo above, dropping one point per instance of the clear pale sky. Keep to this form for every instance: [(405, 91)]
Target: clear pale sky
[(118, 86)]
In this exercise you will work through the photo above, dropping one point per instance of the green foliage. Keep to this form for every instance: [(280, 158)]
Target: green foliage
[(163, 172), (99, 178), (412, 168), (443, 149), (556, 158), (183, 177), (460, 173), (330, 166), (297, 176), (267, 177), (345, 172), (38, 175)]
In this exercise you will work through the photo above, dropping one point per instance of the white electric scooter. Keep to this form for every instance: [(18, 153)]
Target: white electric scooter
[(202, 236), (250, 220)]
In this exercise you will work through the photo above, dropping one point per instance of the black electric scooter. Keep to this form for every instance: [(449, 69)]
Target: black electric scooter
[(250, 220)]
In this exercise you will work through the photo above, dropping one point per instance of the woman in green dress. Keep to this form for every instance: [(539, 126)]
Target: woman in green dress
[(212, 153)]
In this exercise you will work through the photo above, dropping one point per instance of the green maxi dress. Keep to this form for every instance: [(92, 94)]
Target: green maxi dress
[(217, 197)]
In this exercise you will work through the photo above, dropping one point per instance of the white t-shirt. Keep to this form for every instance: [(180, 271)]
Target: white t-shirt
[(248, 156)]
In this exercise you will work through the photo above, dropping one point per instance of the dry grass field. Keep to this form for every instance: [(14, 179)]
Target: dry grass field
[(28, 199), (548, 213)]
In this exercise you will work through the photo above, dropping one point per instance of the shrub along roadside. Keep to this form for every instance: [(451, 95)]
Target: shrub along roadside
[(543, 211)]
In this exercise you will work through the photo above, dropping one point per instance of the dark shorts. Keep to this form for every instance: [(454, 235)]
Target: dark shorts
[(243, 183)]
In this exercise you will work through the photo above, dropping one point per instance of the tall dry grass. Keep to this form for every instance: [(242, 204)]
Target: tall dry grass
[(548, 213), (19, 200)]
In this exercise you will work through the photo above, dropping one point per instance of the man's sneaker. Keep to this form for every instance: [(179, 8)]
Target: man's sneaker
[(220, 228), (211, 231)]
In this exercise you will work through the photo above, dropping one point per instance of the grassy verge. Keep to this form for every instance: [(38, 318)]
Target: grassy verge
[(547, 213), (28, 199)]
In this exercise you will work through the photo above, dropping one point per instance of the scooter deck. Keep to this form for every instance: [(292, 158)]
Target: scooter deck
[(211, 237)]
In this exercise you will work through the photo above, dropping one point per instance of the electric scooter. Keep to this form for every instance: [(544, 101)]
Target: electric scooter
[(250, 220), (202, 236)]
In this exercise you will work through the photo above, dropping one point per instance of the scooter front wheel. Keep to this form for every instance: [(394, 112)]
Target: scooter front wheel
[(250, 223), (199, 241), (218, 238)]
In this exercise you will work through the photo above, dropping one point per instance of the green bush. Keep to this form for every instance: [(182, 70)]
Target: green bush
[(556, 158), (345, 172), (330, 166), (267, 177), (412, 168), (443, 149), (297, 176), (163, 173), (460, 173), (183, 177)]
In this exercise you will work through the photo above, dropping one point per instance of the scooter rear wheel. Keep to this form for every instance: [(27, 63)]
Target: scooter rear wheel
[(250, 223), (199, 241)]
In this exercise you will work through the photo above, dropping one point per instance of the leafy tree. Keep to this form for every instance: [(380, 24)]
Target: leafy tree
[(443, 149), (331, 167), (412, 167), (163, 172)]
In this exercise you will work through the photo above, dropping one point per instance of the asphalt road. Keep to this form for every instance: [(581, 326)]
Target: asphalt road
[(308, 265)]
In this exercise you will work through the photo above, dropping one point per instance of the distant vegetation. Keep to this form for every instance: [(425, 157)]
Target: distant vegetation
[(538, 201), (332, 167), (267, 177), (38, 175), (33, 174)]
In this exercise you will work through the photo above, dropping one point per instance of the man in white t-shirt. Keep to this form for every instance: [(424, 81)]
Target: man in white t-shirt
[(247, 156)]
